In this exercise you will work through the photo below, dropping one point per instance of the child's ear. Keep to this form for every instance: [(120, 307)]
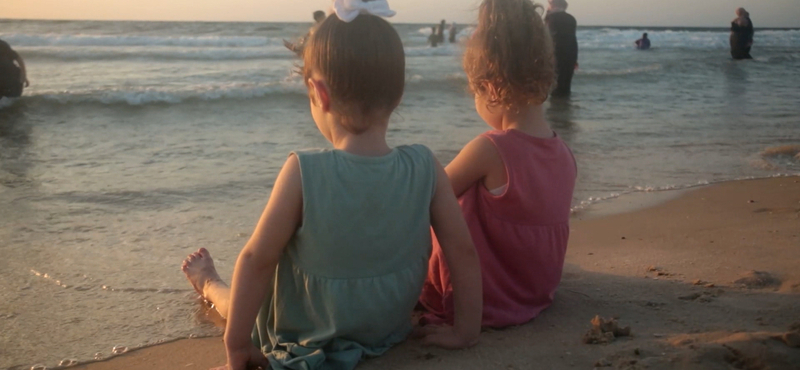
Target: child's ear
[(319, 94)]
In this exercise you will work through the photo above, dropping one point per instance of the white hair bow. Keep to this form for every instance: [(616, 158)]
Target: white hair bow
[(347, 10)]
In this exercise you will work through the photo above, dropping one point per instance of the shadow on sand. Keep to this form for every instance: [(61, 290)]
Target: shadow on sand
[(675, 325)]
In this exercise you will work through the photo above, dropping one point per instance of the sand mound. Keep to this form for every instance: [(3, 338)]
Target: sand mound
[(604, 331), (758, 280)]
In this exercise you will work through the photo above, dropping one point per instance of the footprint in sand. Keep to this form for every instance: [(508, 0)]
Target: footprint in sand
[(703, 297)]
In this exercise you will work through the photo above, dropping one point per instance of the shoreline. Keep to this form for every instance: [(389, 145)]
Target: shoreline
[(641, 199), (668, 267)]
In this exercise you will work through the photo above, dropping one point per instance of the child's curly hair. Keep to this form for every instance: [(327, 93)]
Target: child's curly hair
[(511, 49)]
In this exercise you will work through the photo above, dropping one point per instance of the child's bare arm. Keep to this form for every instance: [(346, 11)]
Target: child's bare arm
[(465, 272), (476, 161), (255, 267)]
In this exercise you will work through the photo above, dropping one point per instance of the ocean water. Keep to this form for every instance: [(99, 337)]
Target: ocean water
[(138, 143)]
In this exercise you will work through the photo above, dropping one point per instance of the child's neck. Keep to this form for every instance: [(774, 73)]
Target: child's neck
[(528, 119), (370, 143)]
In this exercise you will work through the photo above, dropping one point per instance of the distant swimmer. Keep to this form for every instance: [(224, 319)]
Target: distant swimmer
[(13, 76), (297, 47), (453, 32), (741, 35), (433, 39), (643, 43)]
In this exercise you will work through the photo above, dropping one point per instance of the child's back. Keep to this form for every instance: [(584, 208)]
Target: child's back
[(365, 227), (335, 266), (515, 182), (520, 232)]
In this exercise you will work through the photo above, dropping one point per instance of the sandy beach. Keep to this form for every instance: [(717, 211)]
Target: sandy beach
[(708, 280)]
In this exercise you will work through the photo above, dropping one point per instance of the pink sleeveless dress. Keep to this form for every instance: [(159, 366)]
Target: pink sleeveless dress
[(521, 235)]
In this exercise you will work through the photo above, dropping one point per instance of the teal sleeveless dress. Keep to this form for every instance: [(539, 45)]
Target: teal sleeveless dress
[(351, 275)]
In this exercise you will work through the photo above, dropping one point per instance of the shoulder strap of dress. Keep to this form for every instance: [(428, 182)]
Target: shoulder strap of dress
[(430, 160)]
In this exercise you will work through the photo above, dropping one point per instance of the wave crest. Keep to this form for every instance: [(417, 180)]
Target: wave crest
[(161, 53), (142, 96), (782, 150), (118, 40)]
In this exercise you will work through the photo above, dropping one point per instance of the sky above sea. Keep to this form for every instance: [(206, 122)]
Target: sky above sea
[(685, 13)]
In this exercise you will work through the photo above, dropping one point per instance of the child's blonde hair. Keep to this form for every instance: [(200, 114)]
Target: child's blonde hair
[(511, 49), (363, 62)]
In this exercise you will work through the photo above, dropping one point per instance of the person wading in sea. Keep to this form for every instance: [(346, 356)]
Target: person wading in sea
[(643, 43), (741, 35), (433, 39), (563, 29), (13, 76), (453, 32), (440, 32), (297, 47)]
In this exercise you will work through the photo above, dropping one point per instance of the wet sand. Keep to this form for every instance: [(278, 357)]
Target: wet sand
[(709, 280)]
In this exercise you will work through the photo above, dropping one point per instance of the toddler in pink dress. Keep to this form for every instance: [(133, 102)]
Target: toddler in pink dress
[(515, 182)]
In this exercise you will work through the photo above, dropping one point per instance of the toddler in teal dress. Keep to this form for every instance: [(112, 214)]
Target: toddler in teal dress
[(335, 266)]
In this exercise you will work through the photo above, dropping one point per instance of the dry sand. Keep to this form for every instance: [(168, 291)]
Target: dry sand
[(710, 280)]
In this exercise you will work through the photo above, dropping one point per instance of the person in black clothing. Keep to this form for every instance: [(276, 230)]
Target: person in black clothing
[(433, 39), (563, 28), (440, 32), (13, 77), (453, 32), (741, 35)]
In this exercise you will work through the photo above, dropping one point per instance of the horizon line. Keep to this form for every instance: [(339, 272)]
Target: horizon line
[(410, 23)]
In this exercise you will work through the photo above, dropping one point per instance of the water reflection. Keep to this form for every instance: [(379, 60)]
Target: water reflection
[(736, 83), (15, 138), (560, 115)]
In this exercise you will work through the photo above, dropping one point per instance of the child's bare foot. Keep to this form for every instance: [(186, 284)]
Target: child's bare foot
[(199, 269)]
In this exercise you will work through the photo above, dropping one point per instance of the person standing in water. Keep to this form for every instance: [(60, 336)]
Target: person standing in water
[(453, 33), (563, 29), (440, 32), (297, 47), (13, 76), (741, 35), (643, 43), (433, 39)]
